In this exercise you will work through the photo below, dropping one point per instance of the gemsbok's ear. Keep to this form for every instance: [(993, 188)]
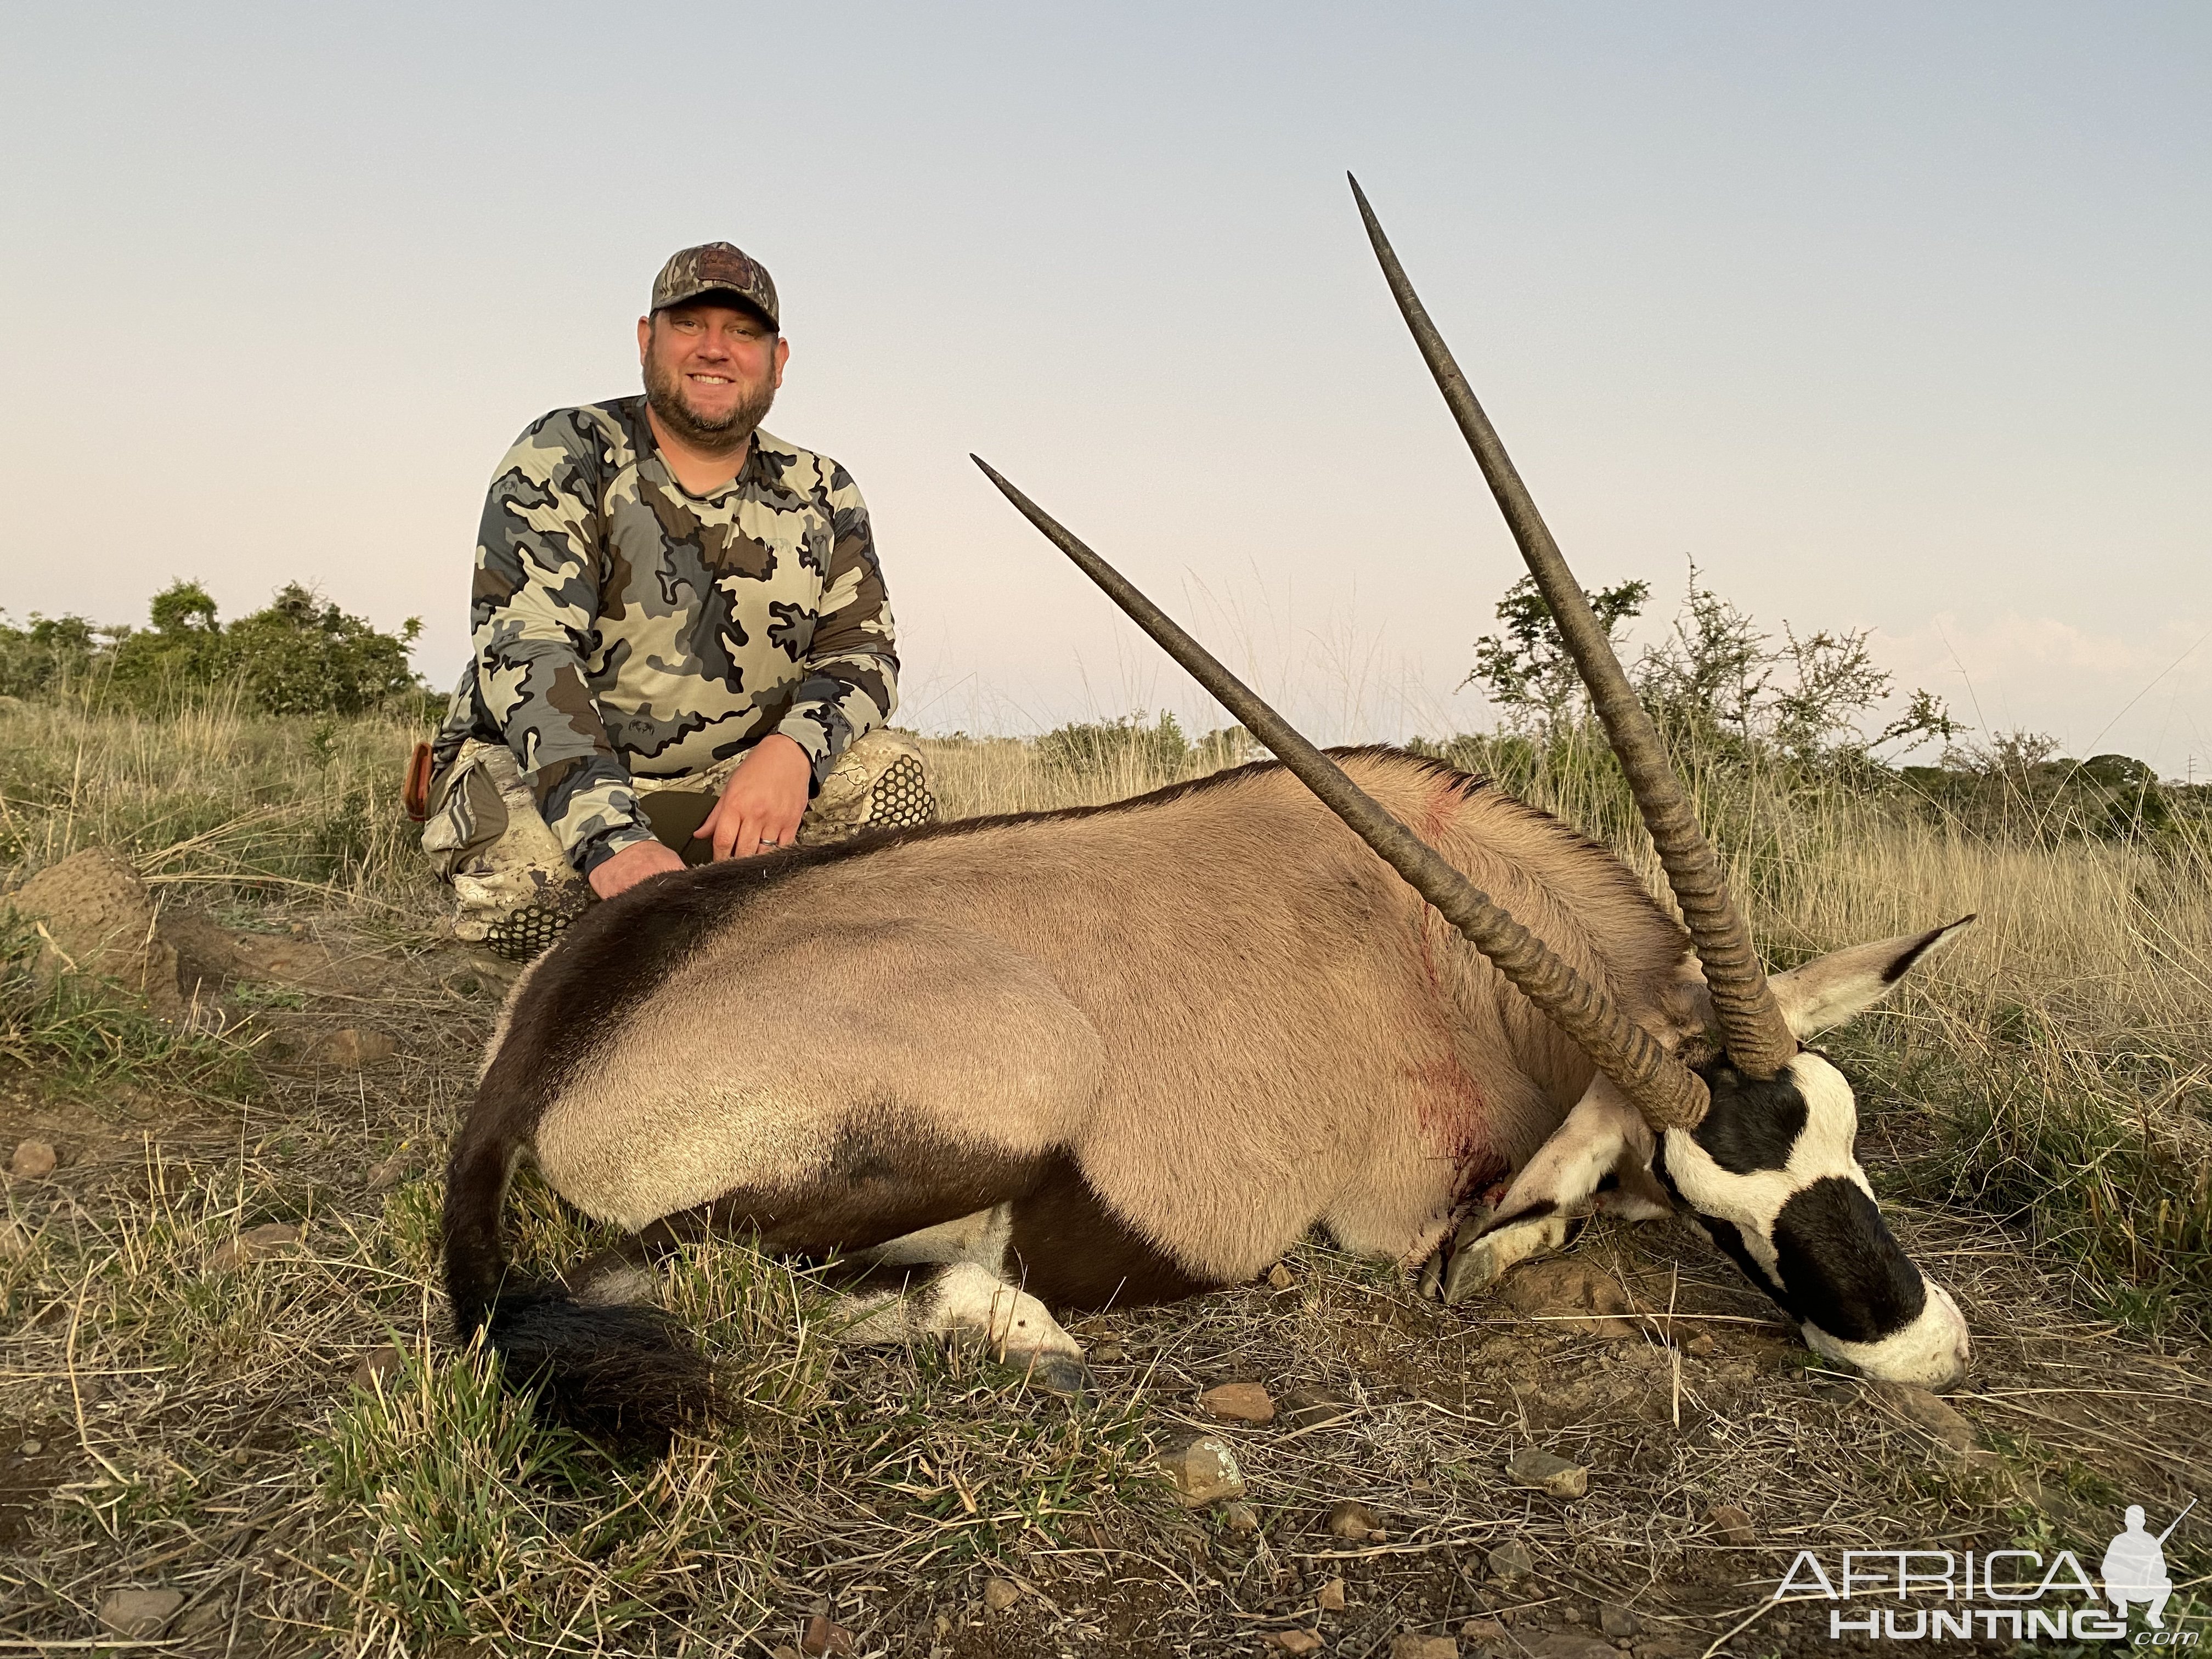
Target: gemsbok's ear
[(1831, 989)]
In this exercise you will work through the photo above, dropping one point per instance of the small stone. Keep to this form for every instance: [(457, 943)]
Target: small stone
[(1281, 1277), (1616, 1620), (1240, 1517), (1307, 1408), (1732, 1524), (213, 1614), (383, 1177), (34, 1160), (825, 1636), (1202, 1471), (30, 1447), (1483, 1630), (1702, 1345), (1553, 1476), (999, 1594), (1573, 1616), (1510, 1560), (377, 1365), (1355, 1520), (353, 1047), (1572, 1644), (1414, 1646), (254, 1244), (1238, 1402), (1329, 1598), (1295, 1640), (1932, 1417), (139, 1613)]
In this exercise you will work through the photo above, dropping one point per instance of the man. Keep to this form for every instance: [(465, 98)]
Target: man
[(683, 646), (2135, 1569)]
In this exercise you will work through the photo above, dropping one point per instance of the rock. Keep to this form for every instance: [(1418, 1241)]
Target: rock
[(1355, 1520), (1329, 1598), (97, 918), (34, 1160), (213, 1614), (1202, 1471), (383, 1177), (139, 1613), (824, 1636), (1308, 1408), (377, 1365), (255, 1244), (1238, 1402), (1932, 1417), (1553, 1476), (1413, 1646), (1572, 1644), (1240, 1517), (30, 1447), (1510, 1560), (1617, 1621), (353, 1047), (1732, 1525), (1483, 1630), (999, 1594), (1295, 1640), (1702, 1345), (1280, 1278), (1570, 1296)]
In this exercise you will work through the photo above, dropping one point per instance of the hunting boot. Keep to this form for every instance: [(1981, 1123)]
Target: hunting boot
[(514, 890)]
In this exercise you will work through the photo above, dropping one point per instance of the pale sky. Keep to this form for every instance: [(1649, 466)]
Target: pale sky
[(1891, 316)]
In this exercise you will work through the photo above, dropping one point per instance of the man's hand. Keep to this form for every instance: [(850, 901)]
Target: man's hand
[(632, 865), (763, 802)]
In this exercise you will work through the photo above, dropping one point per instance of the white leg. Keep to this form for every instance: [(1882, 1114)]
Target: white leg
[(968, 1302)]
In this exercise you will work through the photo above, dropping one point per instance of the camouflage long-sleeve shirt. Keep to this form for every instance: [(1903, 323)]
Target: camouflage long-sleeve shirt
[(624, 628)]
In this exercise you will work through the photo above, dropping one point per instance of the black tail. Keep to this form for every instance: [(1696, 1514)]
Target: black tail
[(628, 1374)]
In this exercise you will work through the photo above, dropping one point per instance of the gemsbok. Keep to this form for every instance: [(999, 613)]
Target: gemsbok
[(1124, 1053)]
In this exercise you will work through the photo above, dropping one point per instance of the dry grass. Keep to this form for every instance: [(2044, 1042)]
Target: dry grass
[(199, 1428)]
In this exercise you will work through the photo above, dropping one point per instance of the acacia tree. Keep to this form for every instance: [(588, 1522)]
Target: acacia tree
[(1716, 672)]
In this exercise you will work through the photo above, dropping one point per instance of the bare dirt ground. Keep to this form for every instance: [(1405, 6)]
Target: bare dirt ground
[(189, 1406)]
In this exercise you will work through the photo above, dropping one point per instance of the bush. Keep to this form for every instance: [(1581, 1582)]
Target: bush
[(298, 656)]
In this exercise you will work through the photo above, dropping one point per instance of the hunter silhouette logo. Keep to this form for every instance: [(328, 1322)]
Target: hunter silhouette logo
[(1922, 1594), (2135, 1568)]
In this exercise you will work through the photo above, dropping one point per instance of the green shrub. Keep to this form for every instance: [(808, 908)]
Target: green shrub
[(297, 655)]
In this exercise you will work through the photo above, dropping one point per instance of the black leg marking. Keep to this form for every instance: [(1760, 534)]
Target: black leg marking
[(882, 1182), (1069, 1250)]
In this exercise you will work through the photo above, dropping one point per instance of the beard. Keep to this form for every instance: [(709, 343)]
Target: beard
[(714, 435)]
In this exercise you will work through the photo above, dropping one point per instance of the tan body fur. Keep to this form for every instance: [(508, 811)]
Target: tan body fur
[(1237, 1018)]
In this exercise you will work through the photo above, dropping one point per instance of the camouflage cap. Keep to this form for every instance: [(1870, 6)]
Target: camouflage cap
[(713, 268)]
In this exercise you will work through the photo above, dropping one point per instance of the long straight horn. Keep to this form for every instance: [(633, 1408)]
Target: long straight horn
[(1666, 1092), (1758, 1040)]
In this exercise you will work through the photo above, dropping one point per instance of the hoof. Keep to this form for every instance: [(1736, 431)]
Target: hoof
[(1061, 1374), (1474, 1268)]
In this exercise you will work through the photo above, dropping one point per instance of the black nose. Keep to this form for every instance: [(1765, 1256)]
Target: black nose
[(1842, 1268)]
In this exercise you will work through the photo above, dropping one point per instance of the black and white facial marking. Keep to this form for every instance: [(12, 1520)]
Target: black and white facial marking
[(1771, 1174)]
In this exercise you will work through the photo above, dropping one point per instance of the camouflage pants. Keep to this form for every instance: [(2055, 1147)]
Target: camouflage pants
[(514, 890)]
